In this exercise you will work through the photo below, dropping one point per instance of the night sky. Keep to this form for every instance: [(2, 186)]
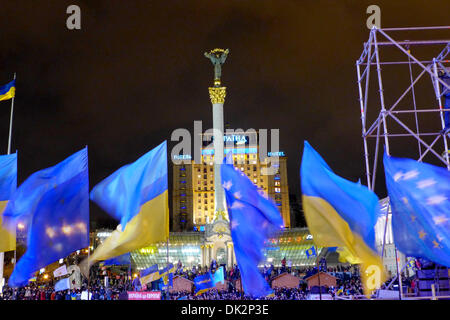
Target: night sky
[(136, 71)]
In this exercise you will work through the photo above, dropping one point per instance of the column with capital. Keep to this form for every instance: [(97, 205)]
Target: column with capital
[(217, 95)]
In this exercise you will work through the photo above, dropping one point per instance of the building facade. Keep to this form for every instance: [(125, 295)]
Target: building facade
[(193, 196), (199, 248)]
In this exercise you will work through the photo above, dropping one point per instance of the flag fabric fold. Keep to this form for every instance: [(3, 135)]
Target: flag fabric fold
[(203, 283), (8, 185), (8, 91), (253, 220), (166, 274), (63, 284), (149, 275), (218, 276), (343, 214), (56, 200), (137, 195), (124, 259), (311, 252), (419, 195)]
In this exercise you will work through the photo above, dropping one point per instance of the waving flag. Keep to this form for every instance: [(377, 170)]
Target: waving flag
[(121, 260), (61, 271), (253, 220), (8, 90), (340, 213), (63, 284), (311, 252), (56, 200), (150, 274), (166, 275), (8, 185), (137, 195), (419, 195), (218, 276), (203, 283)]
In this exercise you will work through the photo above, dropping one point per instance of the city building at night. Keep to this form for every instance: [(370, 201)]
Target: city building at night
[(193, 193)]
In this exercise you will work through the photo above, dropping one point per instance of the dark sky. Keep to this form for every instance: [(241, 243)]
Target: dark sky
[(136, 71)]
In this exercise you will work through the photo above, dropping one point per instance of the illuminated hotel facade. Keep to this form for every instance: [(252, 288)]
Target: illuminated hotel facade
[(193, 196)]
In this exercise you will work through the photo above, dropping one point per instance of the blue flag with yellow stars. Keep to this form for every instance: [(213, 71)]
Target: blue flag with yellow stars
[(253, 220), (419, 195), (58, 198)]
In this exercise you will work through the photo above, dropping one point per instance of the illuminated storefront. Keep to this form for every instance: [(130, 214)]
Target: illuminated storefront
[(191, 249)]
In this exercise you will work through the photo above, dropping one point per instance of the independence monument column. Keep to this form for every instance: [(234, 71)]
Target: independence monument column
[(217, 95)]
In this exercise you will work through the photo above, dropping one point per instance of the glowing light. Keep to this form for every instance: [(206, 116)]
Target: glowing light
[(67, 230), (81, 226), (20, 226), (50, 232)]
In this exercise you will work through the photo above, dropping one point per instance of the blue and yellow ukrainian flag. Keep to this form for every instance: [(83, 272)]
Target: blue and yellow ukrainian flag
[(343, 214), (150, 274), (8, 91), (311, 252), (8, 184), (137, 195), (166, 275), (203, 283)]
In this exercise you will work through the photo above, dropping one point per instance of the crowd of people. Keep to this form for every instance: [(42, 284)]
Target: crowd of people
[(116, 288)]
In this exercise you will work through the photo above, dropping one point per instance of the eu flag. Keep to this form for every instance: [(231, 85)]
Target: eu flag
[(253, 220), (8, 185), (58, 200), (137, 195), (341, 213), (419, 195)]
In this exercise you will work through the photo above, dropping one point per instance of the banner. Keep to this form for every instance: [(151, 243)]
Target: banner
[(61, 271), (150, 295), (63, 284)]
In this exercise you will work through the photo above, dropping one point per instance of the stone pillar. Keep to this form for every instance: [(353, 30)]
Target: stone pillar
[(217, 96), (230, 255), (202, 247)]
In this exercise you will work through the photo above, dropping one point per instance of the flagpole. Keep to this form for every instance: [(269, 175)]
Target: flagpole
[(9, 152), (2, 254), (89, 269), (318, 273), (399, 276), (11, 120)]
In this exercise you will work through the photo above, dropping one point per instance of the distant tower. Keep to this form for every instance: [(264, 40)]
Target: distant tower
[(217, 95)]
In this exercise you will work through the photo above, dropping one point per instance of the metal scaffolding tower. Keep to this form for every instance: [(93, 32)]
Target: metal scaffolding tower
[(379, 119), (388, 116)]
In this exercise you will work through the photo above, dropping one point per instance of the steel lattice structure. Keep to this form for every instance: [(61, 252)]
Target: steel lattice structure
[(378, 128)]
